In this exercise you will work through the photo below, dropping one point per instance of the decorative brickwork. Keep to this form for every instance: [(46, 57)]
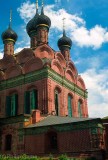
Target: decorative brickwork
[(9, 48)]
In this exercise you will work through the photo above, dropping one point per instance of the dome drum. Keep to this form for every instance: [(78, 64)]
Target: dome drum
[(65, 47), (33, 33)]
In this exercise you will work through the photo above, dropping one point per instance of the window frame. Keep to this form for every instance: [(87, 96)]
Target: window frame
[(70, 98), (11, 105), (30, 100)]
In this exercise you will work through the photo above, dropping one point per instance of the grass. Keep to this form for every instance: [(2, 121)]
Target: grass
[(25, 157)]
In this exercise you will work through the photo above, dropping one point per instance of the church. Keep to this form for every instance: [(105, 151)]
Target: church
[(43, 99)]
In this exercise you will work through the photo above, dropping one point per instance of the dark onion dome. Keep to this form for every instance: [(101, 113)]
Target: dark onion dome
[(38, 20), (43, 20), (9, 34), (64, 41), (31, 25)]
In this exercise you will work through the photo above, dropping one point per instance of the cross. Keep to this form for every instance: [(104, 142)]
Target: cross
[(63, 23), (42, 3), (10, 17), (36, 4)]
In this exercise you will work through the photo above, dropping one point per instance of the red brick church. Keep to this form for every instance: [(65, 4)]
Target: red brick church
[(43, 100)]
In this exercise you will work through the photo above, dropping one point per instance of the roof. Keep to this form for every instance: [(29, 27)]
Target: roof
[(56, 120), (105, 120), (105, 117)]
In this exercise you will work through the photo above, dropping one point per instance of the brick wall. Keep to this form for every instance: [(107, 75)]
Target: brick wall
[(63, 100), (12, 129), (34, 144), (73, 142), (105, 123)]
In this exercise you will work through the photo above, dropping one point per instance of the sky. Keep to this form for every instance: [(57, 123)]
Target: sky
[(86, 23)]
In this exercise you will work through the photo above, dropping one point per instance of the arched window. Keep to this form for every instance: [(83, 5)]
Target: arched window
[(11, 105), (8, 142), (57, 102), (69, 105), (31, 101), (79, 108)]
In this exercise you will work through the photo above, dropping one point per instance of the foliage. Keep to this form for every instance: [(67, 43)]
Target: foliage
[(22, 157), (63, 157), (50, 157), (25, 157)]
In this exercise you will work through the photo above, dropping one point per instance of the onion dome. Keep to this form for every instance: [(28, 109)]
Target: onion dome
[(31, 25), (43, 20), (9, 34), (64, 41)]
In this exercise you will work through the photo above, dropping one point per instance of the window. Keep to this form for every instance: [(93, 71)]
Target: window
[(79, 108), (11, 105), (69, 105), (56, 102), (31, 101), (8, 142)]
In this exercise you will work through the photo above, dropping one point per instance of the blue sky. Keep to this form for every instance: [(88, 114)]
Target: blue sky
[(86, 24)]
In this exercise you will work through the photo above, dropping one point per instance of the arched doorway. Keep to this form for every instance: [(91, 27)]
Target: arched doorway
[(51, 142)]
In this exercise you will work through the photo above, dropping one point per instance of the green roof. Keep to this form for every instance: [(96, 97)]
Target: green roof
[(56, 120)]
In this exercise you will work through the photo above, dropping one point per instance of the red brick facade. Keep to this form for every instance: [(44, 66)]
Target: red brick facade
[(46, 87), (59, 91), (68, 142)]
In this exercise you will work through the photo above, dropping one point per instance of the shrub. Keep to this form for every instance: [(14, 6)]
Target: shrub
[(22, 157), (50, 157), (63, 157)]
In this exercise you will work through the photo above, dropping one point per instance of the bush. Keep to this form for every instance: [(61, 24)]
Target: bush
[(63, 157), (50, 157), (22, 157)]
